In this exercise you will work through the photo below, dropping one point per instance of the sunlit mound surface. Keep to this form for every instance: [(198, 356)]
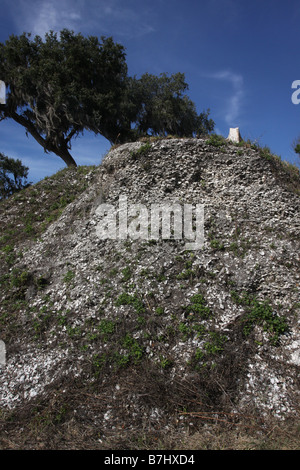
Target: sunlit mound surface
[(136, 342)]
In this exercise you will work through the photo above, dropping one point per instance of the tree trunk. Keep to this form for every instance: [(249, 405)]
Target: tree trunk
[(66, 157), (61, 151)]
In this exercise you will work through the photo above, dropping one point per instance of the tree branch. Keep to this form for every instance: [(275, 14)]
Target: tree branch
[(61, 151), (29, 127)]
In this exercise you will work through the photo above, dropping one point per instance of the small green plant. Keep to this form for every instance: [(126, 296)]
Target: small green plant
[(121, 360), (143, 150), (41, 282), (60, 415), (135, 349), (107, 327), (159, 311), (134, 300), (243, 299), (69, 276), (234, 247), (62, 319), (164, 362), (19, 278), (126, 274), (265, 152), (262, 314), (198, 307), (215, 345), (124, 299), (160, 277), (184, 330), (199, 329), (41, 321), (186, 274), (7, 248), (74, 331), (216, 140), (98, 362), (216, 245), (199, 355)]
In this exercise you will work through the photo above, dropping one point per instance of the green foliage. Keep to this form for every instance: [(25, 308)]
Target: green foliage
[(261, 314), (296, 146), (143, 150), (19, 278), (62, 86), (186, 274), (134, 300), (297, 149), (68, 277), (216, 245), (13, 176), (126, 274), (198, 307), (107, 327), (285, 171), (216, 140), (162, 107), (131, 351), (159, 311), (265, 152), (215, 344), (134, 348), (164, 362)]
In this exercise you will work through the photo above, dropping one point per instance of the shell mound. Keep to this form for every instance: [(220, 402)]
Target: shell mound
[(110, 338)]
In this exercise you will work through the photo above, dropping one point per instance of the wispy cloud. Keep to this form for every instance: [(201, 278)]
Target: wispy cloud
[(93, 17), (235, 100), (41, 16)]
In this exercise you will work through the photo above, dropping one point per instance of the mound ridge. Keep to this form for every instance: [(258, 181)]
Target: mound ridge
[(108, 339)]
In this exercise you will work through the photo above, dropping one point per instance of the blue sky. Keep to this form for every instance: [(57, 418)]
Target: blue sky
[(239, 58)]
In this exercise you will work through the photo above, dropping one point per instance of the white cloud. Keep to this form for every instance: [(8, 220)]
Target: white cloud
[(94, 17), (41, 16), (235, 101)]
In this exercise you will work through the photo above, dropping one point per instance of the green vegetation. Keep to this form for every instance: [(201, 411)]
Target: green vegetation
[(69, 276), (13, 176), (262, 314), (198, 307), (89, 97), (284, 171), (107, 327), (159, 311), (143, 150), (134, 348), (216, 140), (42, 204), (163, 108), (216, 245), (133, 300), (124, 351), (98, 96), (127, 273), (215, 343)]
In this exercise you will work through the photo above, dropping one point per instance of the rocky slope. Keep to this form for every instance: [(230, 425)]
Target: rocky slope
[(110, 339)]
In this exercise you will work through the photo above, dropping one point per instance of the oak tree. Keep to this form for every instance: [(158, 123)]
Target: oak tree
[(13, 176), (59, 87), (162, 107)]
